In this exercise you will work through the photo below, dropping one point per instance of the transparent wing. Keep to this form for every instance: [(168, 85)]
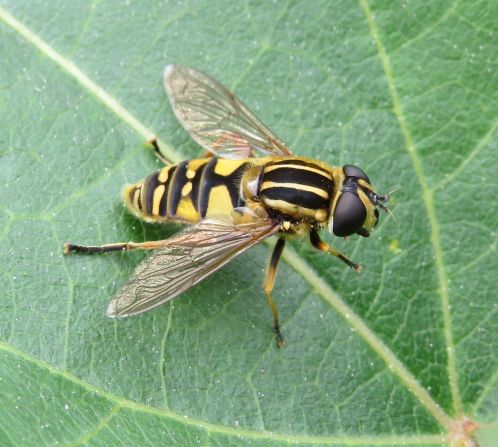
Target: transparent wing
[(215, 118), (186, 259)]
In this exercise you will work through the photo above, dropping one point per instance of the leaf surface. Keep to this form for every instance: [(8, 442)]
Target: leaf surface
[(405, 353)]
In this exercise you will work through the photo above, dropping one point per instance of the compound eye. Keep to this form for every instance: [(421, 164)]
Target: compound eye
[(355, 171), (349, 214)]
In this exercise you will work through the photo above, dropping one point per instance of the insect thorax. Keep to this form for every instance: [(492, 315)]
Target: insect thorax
[(297, 189)]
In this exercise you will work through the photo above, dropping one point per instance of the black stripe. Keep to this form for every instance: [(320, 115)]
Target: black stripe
[(196, 184), (131, 195), (150, 184), (208, 182), (179, 181), (240, 202), (307, 178), (294, 196), (139, 199), (298, 163), (164, 199)]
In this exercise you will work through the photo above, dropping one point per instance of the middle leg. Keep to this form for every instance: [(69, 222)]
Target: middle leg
[(271, 274)]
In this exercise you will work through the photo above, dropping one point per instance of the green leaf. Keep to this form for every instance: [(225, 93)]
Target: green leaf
[(406, 353)]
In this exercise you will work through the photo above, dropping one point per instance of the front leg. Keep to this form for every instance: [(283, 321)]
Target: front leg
[(323, 246)]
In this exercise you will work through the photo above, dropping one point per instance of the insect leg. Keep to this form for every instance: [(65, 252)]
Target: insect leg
[(268, 287), (323, 246), (159, 154), (125, 246)]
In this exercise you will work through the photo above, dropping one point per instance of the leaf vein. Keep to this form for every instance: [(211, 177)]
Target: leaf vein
[(395, 365), (481, 144), (122, 403), (97, 429)]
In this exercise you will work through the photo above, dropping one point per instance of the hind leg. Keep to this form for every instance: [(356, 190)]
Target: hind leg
[(119, 246)]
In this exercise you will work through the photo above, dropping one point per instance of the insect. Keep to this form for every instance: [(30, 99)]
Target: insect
[(233, 199)]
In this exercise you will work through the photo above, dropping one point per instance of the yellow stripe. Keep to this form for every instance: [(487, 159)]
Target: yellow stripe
[(225, 166), (136, 193), (164, 174), (302, 167), (131, 194), (187, 188), (186, 211), (317, 191), (219, 201), (290, 208), (158, 194)]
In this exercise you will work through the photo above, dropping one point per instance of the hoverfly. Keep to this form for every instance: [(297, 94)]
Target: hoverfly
[(233, 199)]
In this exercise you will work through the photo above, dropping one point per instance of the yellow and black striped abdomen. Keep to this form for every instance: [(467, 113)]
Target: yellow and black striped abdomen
[(298, 188), (189, 191)]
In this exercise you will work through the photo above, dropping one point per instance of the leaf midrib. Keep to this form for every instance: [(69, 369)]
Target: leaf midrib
[(305, 270)]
